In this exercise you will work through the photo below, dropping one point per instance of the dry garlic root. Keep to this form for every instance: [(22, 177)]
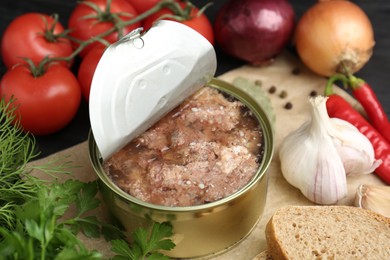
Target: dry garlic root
[(317, 157)]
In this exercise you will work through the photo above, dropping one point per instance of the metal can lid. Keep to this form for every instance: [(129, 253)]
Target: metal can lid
[(142, 77)]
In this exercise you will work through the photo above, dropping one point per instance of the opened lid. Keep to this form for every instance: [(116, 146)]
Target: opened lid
[(142, 77)]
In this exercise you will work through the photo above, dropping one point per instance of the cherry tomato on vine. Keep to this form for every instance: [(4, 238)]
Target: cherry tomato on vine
[(91, 18), (45, 104), (197, 21), (29, 36), (87, 69)]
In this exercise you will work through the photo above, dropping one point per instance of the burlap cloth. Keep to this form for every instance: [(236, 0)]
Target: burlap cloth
[(285, 73)]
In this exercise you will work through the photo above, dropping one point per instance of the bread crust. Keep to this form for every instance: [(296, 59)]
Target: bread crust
[(342, 218), (274, 248)]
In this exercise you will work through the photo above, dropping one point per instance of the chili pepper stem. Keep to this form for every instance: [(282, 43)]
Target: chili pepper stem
[(332, 80), (355, 82)]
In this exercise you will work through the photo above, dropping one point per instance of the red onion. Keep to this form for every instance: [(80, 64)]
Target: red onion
[(254, 30)]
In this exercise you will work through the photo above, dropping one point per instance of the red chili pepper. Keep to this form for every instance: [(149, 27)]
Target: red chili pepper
[(338, 107), (369, 101)]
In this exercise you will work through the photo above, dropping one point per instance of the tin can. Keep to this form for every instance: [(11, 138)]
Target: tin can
[(201, 230)]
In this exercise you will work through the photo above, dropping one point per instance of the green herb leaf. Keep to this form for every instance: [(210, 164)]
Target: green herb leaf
[(121, 247), (57, 197), (156, 239), (111, 232), (140, 237), (86, 199), (14, 242), (90, 226), (66, 237), (34, 230), (74, 249), (146, 244), (28, 210), (71, 254), (157, 256)]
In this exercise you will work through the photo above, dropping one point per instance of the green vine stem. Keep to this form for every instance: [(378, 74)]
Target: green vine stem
[(119, 25)]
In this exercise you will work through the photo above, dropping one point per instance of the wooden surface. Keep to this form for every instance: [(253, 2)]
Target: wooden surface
[(280, 193)]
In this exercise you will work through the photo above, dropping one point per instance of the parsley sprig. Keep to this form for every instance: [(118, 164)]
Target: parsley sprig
[(40, 219), (146, 245), (41, 234)]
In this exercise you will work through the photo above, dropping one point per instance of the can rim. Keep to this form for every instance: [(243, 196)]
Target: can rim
[(268, 135)]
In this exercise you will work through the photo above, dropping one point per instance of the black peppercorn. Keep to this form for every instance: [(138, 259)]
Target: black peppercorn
[(313, 93), (288, 105), (272, 89)]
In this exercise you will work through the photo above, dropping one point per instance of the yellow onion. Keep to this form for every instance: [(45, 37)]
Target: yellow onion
[(334, 36)]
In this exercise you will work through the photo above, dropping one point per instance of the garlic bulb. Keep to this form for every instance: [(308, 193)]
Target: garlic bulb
[(354, 148), (309, 159)]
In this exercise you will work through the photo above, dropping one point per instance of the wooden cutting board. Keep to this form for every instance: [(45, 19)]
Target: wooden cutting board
[(286, 74)]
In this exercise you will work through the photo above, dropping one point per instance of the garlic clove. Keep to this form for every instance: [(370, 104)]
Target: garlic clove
[(374, 197), (309, 159), (354, 148)]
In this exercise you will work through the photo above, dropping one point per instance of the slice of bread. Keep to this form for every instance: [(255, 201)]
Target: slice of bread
[(328, 232)]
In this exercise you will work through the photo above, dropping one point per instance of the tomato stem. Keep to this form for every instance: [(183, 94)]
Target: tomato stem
[(108, 7), (37, 70), (49, 34), (119, 25)]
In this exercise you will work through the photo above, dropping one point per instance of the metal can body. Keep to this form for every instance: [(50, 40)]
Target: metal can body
[(199, 230)]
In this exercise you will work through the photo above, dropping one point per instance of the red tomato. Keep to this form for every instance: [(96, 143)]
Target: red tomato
[(143, 5), (199, 23), (47, 103), (87, 69), (25, 37), (85, 28)]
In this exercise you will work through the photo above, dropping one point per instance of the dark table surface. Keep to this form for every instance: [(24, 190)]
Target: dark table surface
[(376, 71)]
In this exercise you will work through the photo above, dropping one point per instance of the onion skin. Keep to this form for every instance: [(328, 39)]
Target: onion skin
[(334, 37), (254, 30)]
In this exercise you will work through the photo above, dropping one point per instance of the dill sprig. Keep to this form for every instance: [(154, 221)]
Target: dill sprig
[(16, 150)]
